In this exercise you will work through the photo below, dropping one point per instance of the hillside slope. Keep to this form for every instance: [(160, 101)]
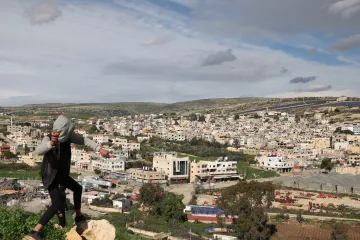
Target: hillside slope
[(216, 105)]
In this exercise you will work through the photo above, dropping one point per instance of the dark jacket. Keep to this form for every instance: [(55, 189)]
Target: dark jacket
[(57, 161)]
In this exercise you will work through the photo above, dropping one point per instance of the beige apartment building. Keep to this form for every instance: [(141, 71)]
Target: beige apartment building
[(353, 159), (353, 138), (31, 159), (216, 170), (348, 170), (147, 176), (176, 169), (321, 143), (353, 149)]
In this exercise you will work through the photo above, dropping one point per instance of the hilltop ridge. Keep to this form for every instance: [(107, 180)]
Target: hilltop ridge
[(205, 106)]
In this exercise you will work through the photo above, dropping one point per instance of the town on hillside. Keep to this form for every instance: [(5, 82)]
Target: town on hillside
[(311, 159)]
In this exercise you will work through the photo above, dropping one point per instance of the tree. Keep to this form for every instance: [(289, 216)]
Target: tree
[(93, 129), (171, 208), (299, 217), (151, 194), (347, 131), (236, 143), (97, 171), (133, 154), (9, 155), (202, 118), (326, 164), (248, 201), (103, 202), (193, 200), (339, 232), (236, 117), (193, 117), (26, 149)]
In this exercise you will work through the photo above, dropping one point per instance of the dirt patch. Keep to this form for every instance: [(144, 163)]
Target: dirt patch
[(294, 231)]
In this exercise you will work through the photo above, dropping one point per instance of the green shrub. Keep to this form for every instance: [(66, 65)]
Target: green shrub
[(16, 223), (281, 216)]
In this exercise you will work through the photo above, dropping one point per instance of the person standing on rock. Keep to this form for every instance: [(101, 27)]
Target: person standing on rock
[(55, 172)]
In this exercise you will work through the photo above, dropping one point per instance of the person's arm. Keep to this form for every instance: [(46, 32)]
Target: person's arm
[(44, 146), (80, 140)]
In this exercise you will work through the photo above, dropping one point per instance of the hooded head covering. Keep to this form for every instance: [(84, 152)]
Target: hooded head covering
[(64, 126)]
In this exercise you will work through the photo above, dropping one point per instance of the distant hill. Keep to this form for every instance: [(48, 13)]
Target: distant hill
[(215, 105)]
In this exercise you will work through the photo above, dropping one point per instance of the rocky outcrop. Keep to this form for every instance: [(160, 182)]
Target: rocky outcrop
[(92, 230)]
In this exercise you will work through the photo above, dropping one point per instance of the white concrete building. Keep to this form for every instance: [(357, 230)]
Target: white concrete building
[(356, 129), (119, 140), (18, 128), (278, 164), (110, 165), (341, 145), (220, 169), (341, 99), (101, 138), (176, 136), (131, 146), (123, 203)]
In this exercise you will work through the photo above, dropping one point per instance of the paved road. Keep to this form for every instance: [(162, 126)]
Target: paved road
[(37, 204), (322, 218)]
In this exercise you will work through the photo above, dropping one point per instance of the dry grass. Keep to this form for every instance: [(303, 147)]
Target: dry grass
[(314, 231)]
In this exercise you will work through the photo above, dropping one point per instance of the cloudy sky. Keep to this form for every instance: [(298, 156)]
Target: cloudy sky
[(176, 50)]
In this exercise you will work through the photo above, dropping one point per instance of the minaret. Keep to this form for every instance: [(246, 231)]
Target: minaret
[(11, 122)]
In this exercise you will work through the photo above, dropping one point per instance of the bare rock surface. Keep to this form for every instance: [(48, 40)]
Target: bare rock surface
[(92, 230)]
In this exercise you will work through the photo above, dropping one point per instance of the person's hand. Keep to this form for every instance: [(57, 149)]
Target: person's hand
[(54, 138), (104, 153)]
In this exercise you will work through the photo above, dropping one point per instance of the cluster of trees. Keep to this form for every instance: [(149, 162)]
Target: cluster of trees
[(17, 166), (199, 147), (339, 131), (248, 201), (193, 117), (160, 204), (137, 164), (106, 202), (327, 164), (9, 155)]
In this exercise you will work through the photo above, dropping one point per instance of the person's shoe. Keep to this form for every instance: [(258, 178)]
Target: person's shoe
[(80, 219), (33, 235), (81, 224)]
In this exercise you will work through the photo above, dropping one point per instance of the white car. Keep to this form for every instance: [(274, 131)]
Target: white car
[(12, 203), (45, 192)]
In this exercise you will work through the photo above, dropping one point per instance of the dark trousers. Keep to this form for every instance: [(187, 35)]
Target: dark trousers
[(58, 198)]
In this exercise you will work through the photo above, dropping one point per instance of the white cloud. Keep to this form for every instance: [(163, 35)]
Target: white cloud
[(314, 89), (219, 58), (349, 60), (92, 54), (346, 8), (272, 19), (347, 43), (43, 12), (187, 3), (159, 40)]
